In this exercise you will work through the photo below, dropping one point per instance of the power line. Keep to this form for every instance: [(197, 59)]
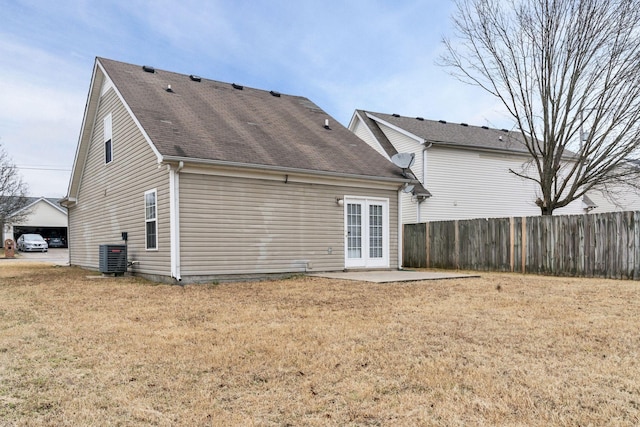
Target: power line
[(44, 168)]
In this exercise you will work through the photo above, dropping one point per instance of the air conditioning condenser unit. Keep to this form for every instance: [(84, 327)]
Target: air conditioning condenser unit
[(113, 259)]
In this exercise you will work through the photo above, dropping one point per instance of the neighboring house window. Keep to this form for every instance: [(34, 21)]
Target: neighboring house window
[(108, 143), (151, 219)]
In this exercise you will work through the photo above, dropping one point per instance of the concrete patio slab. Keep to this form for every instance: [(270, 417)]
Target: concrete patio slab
[(391, 276)]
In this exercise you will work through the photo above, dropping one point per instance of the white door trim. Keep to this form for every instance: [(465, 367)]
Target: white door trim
[(367, 258)]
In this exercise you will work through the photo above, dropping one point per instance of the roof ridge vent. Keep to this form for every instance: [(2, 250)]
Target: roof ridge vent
[(444, 122), (485, 127), (464, 124), (505, 130), (274, 93), (195, 78), (395, 115), (420, 118), (236, 86), (148, 69)]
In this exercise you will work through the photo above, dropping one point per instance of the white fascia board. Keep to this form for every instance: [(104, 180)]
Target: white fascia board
[(76, 171), (352, 123), (397, 129), (53, 205), (35, 202), (135, 119), (353, 120), (29, 206), (99, 79)]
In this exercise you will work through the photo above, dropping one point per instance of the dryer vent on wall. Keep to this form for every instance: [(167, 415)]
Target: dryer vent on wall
[(113, 259)]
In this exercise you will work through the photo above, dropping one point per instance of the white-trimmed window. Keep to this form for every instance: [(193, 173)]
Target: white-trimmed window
[(108, 140), (151, 219)]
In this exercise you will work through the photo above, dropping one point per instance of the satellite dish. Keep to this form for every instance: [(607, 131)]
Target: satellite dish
[(408, 189), (403, 160)]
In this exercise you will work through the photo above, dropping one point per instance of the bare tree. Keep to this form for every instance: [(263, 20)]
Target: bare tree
[(13, 191), (568, 72)]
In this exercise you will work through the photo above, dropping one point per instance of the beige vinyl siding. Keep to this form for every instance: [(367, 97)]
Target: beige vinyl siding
[(471, 184), (254, 226), (111, 196)]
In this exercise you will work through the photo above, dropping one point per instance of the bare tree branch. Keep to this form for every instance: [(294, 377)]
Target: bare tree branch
[(13, 191), (568, 72)]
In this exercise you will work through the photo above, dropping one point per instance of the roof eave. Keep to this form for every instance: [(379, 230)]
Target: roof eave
[(211, 162), (489, 149), (85, 130), (68, 201)]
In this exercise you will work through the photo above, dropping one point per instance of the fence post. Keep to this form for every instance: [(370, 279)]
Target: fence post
[(456, 239), (428, 244), (512, 244), (524, 244), (636, 245)]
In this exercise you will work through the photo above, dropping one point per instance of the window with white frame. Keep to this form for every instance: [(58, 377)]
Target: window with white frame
[(108, 139), (151, 219)]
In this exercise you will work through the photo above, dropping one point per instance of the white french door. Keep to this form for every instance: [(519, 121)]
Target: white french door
[(366, 225)]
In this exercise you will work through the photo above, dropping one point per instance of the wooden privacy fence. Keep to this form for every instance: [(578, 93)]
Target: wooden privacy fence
[(591, 245)]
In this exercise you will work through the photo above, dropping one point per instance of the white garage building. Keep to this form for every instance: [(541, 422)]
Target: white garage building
[(43, 216)]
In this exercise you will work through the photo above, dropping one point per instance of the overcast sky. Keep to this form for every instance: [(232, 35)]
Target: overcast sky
[(367, 54)]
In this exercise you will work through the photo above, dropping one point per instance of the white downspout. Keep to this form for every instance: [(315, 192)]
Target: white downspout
[(400, 238), (424, 174), (174, 215)]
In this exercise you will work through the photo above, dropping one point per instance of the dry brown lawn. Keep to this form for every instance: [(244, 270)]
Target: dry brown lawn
[(502, 349)]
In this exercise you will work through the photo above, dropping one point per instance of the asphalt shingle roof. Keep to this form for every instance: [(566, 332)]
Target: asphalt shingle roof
[(455, 134), (211, 120)]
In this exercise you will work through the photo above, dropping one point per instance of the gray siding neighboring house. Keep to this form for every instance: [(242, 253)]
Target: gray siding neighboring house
[(213, 180), (464, 168)]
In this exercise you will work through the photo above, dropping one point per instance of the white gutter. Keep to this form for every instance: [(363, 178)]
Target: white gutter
[(283, 169), (174, 219)]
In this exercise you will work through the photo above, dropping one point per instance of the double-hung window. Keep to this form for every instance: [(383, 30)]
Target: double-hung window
[(151, 219), (108, 140)]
